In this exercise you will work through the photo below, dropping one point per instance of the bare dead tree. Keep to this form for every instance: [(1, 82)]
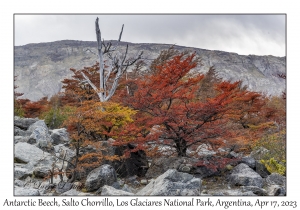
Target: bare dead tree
[(116, 65)]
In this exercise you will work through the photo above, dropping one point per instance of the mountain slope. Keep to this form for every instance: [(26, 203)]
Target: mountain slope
[(41, 67)]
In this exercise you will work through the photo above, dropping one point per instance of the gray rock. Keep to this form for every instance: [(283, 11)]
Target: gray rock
[(71, 192), (173, 183), (116, 185), (233, 154), (35, 160), (20, 139), (248, 193), (276, 179), (108, 190), (261, 169), (40, 135), (104, 175), (32, 155), (259, 153), (59, 136), (243, 175), (19, 183), (63, 187), (41, 171), (127, 188), (21, 173), (61, 149), (256, 190), (19, 132), (32, 183), (24, 123), (161, 165), (205, 150), (25, 191), (185, 168), (276, 190), (250, 161), (205, 171)]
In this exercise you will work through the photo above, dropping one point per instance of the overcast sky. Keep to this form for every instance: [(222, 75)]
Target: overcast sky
[(243, 34)]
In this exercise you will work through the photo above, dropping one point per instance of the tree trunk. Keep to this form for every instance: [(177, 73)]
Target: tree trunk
[(181, 147)]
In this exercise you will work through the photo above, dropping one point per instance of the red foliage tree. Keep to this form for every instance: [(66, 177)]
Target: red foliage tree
[(36, 108), (77, 90), (168, 98)]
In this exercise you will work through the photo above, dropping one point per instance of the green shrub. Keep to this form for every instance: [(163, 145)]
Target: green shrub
[(18, 111), (55, 117), (274, 167), (275, 159)]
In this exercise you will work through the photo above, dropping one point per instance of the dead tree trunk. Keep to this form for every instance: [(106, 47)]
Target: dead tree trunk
[(118, 65)]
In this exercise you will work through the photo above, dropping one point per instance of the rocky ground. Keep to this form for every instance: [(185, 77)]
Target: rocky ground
[(37, 150)]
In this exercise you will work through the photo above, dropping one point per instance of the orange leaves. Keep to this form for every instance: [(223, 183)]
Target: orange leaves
[(170, 99), (100, 120)]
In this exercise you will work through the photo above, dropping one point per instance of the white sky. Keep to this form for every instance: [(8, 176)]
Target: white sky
[(243, 34)]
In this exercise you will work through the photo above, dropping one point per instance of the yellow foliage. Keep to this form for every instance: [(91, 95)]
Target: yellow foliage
[(274, 167)]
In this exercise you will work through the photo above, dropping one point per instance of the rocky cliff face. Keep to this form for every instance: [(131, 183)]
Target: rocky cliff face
[(40, 68)]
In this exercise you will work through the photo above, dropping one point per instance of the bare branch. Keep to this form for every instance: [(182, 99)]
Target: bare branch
[(90, 83)]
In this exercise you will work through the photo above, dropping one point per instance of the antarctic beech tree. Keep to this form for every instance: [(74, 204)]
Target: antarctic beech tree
[(77, 90), (88, 125), (114, 65), (168, 100), (34, 109)]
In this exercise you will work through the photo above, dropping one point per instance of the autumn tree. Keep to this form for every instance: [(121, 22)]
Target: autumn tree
[(33, 109), (167, 100), (90, 124), (77, 90)]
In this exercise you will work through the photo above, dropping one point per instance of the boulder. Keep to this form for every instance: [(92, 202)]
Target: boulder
[(18, 139), (19, 183), (63, 187), (24, 123), (32, 155), (276, 190), (104, 175), (243, 175), (127, 188), (161, 165), (250, 161), (19, 132), (173, 183), (205, 150), (25, 191), (32, 183), (233, 154), (259, 153), (34, 160), (41, 171), (261, 169), (276, 179), (205, 171), (108, 190), (40, 135), (72, 192), (61, 149), (256, 190), (59, 136), (21, 173)]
